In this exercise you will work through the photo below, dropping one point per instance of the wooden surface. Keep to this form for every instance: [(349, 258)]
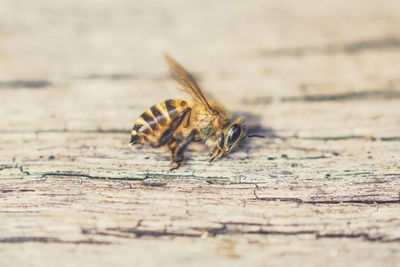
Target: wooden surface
[(320, 79)]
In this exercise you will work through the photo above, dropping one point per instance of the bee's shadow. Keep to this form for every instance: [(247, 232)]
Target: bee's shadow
[(254, 127)]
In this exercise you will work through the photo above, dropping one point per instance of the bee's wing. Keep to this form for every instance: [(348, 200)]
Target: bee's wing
[(189, 85)]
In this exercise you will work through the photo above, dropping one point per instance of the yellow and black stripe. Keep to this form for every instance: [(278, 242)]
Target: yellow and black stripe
[(154, 121)]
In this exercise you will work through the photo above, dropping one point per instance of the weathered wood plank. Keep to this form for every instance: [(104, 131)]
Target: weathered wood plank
[(320, 81)]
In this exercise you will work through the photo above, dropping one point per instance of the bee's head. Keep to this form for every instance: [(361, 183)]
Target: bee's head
[(232, 135)]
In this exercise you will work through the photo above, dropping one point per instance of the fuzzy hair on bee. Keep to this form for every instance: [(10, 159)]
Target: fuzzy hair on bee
[(175, 123)]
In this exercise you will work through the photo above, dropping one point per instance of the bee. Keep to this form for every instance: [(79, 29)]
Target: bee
[(175, 123)]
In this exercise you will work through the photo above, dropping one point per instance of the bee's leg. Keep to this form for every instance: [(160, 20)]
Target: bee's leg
[(177, 157), (167, 135), (187, 118), (214, 155), (172, 148), (218, 148)]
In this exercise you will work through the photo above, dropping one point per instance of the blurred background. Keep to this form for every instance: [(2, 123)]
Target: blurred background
[(99, 64)]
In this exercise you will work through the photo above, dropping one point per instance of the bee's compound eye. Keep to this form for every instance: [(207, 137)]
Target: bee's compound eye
[(221, 141), (234, 134)]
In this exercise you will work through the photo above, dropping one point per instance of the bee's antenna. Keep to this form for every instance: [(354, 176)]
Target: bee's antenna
[(256, 135)]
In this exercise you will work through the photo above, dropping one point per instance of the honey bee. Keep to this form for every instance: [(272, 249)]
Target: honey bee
[(176, 123)]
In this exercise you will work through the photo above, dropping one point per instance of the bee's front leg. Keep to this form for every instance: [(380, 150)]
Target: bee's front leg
[(218, 150), (177, 149), (214, 155)]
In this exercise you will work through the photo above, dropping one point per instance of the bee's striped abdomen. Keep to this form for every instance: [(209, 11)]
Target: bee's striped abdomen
[(153, 122)]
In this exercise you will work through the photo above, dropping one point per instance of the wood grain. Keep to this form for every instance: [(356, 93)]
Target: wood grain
[(319, 80)]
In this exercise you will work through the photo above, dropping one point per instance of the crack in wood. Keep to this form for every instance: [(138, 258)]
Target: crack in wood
[(72, 174), (327, 202), (265, 224), (226, 230), (18, 84), (377, 94), (363, 236), (388, 43), (385, 94), (21, 169), (17, 191), (207, 179), (146, 176), (154, 184), (152, 233), (273, 199), (38, 239), (355, 201), (155, 175)]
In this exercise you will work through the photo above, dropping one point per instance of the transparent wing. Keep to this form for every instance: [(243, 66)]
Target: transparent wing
[(187, 82)]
